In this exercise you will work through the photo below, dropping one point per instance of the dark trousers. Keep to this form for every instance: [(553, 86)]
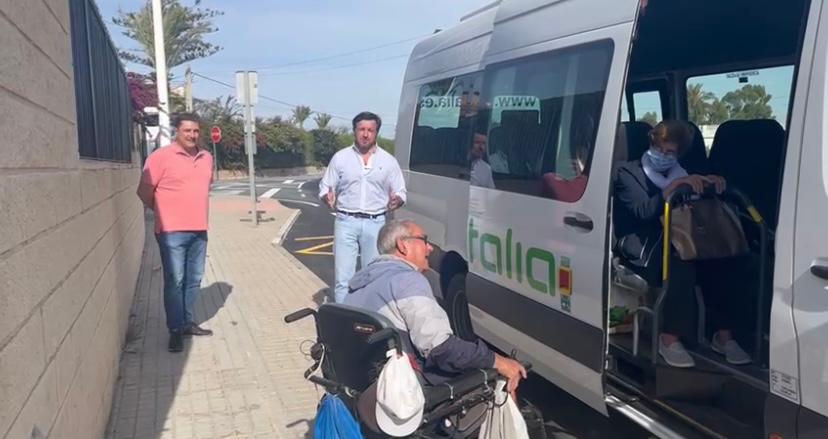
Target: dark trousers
[(726, 285)]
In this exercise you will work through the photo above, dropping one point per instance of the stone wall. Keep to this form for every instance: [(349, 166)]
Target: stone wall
[(71, 236)]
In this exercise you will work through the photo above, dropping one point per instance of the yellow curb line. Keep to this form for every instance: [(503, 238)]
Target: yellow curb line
[(313, 238)]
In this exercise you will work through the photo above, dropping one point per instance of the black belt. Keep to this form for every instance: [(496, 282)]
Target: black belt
[(362, 214)]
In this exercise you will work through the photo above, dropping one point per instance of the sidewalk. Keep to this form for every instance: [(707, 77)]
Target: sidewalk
[(246, 380)]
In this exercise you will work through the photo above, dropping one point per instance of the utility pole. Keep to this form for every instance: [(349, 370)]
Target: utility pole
[(247, 94), (161, 74), (188, 89)]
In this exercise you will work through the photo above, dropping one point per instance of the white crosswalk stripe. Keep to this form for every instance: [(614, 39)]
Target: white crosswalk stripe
[(270, 192)]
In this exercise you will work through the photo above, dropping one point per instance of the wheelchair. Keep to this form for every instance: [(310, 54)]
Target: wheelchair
[(350, 351)]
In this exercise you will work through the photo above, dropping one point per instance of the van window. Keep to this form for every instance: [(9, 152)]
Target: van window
[(442, 132), (746, 94), (647, 107), (540, 119)]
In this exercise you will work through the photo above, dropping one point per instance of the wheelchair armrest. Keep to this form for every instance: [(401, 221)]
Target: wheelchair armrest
[(459, 386)]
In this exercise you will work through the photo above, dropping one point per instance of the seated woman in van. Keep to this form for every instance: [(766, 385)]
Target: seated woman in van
[(641, 187)]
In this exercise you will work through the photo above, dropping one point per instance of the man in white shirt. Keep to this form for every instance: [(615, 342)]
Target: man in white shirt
[(361, 184), (481, 172)]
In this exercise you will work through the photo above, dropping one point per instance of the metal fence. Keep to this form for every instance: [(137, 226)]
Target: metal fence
[(105, 128)]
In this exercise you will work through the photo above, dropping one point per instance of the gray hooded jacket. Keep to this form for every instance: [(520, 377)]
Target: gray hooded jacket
[(395, 289)]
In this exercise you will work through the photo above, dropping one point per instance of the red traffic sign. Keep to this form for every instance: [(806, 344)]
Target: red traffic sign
[(215, 134)]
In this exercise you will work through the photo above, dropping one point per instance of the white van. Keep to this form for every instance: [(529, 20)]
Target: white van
[(556, 94)]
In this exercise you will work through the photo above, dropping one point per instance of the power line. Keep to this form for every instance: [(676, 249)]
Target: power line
[(340, 55), (359, 64), (268, 98)]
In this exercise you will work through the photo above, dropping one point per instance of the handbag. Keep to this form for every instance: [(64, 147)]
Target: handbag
[(706, 228), (503, 419)]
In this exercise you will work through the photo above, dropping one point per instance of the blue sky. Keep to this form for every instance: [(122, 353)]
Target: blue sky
[(257, 35)]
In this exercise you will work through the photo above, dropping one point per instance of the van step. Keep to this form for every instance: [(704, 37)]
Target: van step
[(689, 384), (717, 420)]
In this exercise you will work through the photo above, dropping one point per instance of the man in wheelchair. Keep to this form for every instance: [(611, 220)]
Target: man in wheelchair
[(391, 301)]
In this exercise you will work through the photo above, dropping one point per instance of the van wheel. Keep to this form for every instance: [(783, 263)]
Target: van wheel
[(457, 307)]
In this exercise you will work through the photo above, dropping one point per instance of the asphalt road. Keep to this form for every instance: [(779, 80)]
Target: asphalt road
[(310, 240)]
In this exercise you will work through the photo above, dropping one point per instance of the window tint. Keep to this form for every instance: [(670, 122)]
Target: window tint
[(442, 136), (753, 94), (541, 116)]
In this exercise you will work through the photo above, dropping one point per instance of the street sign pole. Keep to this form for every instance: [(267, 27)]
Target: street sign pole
[(215, 163), (247, 93), (215, 137)]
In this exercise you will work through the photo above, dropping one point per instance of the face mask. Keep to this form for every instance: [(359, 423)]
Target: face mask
[(661, 162)]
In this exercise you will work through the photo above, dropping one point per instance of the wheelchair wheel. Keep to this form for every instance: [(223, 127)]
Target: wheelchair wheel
[(457, 307)]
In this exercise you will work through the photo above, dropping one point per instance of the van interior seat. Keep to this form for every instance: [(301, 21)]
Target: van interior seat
[(749, 155), (695, 160), (637, 136)]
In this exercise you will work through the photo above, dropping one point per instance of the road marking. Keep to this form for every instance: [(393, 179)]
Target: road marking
[(301, 184), (304, 196), (298, 201), (315, 250), (313, 238), (288, 181), (270, 193)]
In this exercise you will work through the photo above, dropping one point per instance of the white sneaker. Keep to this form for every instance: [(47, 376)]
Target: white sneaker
[(675, 355), (734, 354)]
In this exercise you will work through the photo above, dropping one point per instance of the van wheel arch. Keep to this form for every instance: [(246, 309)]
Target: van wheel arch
[(453, 270)]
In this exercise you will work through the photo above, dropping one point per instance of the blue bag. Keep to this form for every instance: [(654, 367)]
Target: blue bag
[(334, 420)]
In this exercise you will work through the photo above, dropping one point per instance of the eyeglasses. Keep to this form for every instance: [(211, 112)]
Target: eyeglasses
[(423, 238)]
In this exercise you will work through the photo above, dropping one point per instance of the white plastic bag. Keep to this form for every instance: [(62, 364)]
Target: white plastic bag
[(503, 419)]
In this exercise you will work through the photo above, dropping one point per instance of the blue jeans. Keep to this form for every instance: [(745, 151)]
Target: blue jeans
[(182, 255), (353, 237)]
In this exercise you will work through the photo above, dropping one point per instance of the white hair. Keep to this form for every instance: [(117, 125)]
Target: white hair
[(390, 233)]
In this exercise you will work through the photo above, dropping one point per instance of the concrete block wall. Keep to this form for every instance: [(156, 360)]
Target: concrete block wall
[(71, 237)]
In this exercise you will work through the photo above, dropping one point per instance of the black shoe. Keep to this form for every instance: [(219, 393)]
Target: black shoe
[(176, 342), (195, 330)]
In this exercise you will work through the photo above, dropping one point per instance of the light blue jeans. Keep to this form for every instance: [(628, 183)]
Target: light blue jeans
[(353, 237)]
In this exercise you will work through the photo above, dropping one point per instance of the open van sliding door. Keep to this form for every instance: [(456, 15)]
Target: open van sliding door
[(805, 382), (538, 239)]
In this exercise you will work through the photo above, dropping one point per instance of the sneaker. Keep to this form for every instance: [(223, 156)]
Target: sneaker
[(675, 355), (734, 354)]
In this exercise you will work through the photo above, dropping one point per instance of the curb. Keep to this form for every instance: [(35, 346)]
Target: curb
[(286, 226)]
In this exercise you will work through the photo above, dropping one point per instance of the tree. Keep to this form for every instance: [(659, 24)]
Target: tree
[(283, 137), (749, 102), (699, 103), (325, 145), (301, 113), (184, 30), (650, 117), (218, 109), (718, 113), (322, 120)]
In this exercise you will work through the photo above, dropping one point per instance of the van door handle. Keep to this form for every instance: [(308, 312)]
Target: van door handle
[(578, 221), (819, 268)]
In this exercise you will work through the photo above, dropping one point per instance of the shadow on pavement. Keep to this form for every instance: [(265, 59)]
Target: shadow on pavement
[(211, 299)]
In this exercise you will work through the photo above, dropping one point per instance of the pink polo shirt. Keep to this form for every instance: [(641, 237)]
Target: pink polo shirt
[(182, 188)]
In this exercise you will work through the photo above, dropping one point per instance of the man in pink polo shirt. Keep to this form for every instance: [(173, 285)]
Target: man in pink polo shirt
[(175, 184)]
